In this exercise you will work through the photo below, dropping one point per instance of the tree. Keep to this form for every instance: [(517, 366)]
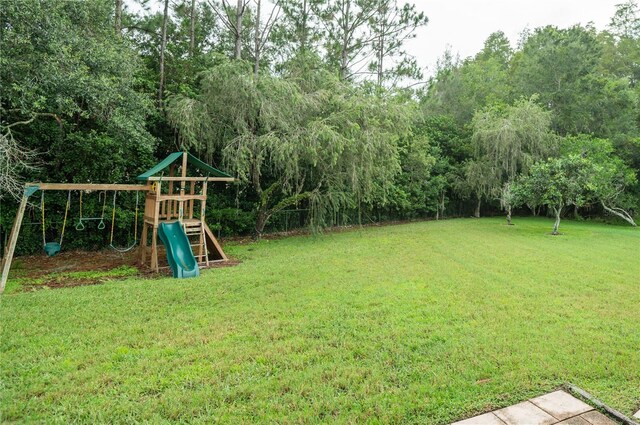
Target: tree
[(625, 23), (460, 89), (348, 34), (610, 178), (449, 145), (192, 29), (262, 32), (481, 179), (556, 183), (391, 26), (81, 79), (233, 19), (507, 142), (564, 68), (331, 148), (497, 47), (163, 49), (299, 31), (609, 183), (118, 17)]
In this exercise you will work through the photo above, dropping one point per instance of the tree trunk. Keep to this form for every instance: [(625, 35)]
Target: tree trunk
[(556, 225), (380, 60), (264, 212), (118, 18), (509, 223), (163, 48), (305, 31), (261, 221), (476, 214), (620, 213), (238, 30), (344, 53), (575, 212), (382, 12), (257, 40), (192, 29)]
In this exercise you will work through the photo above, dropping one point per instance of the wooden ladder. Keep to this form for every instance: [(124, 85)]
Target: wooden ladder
[(199, 248)]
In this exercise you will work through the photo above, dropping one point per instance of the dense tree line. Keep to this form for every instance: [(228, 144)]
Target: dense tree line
[(313, 105)]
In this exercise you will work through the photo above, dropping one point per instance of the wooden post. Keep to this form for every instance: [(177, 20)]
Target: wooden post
[(191, 202), (143, 242), (154, 234), (203, 209), (182, 186), (13, 239), (171, 204)]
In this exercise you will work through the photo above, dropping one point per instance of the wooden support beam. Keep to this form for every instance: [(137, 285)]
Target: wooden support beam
[(171, 204), (182, 186), (182, 198), (91, 186), (15, 230), (213, 245), (190, 203), (191, 179), (154, 250), (203, 219), (143, 243)]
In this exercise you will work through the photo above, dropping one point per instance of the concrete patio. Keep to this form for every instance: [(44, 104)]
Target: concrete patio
[(557, 407)]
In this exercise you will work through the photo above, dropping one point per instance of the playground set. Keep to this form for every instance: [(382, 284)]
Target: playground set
[(174, 212)]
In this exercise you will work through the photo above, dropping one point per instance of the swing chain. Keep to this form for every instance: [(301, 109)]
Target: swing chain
[(64, 220), (135, 229), (66, 213)]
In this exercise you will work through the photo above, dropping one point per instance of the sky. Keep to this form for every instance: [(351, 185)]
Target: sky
[(464, 25)]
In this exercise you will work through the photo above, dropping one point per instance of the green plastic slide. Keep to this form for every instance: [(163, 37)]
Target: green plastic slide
[(179, 253)]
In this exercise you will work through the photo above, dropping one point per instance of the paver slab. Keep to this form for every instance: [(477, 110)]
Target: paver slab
[(576, 420), (525, 413), (637, 414), (596, 418), (561, 405), (486, 419)]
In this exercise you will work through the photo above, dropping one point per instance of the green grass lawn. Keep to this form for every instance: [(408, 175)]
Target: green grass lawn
[(426, 323)]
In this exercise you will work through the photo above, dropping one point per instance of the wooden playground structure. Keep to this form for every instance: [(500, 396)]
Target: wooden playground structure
[(176, 197)]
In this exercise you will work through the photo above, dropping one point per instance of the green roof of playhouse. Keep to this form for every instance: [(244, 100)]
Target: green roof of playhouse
[(206, 169)]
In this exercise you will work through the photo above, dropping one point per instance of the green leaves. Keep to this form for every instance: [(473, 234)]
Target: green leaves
[(333, 141)]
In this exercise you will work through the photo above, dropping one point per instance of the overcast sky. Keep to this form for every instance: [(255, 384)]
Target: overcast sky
[(463, 25)]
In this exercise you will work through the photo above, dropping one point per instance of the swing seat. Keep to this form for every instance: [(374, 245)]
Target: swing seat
[(52, 248)]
